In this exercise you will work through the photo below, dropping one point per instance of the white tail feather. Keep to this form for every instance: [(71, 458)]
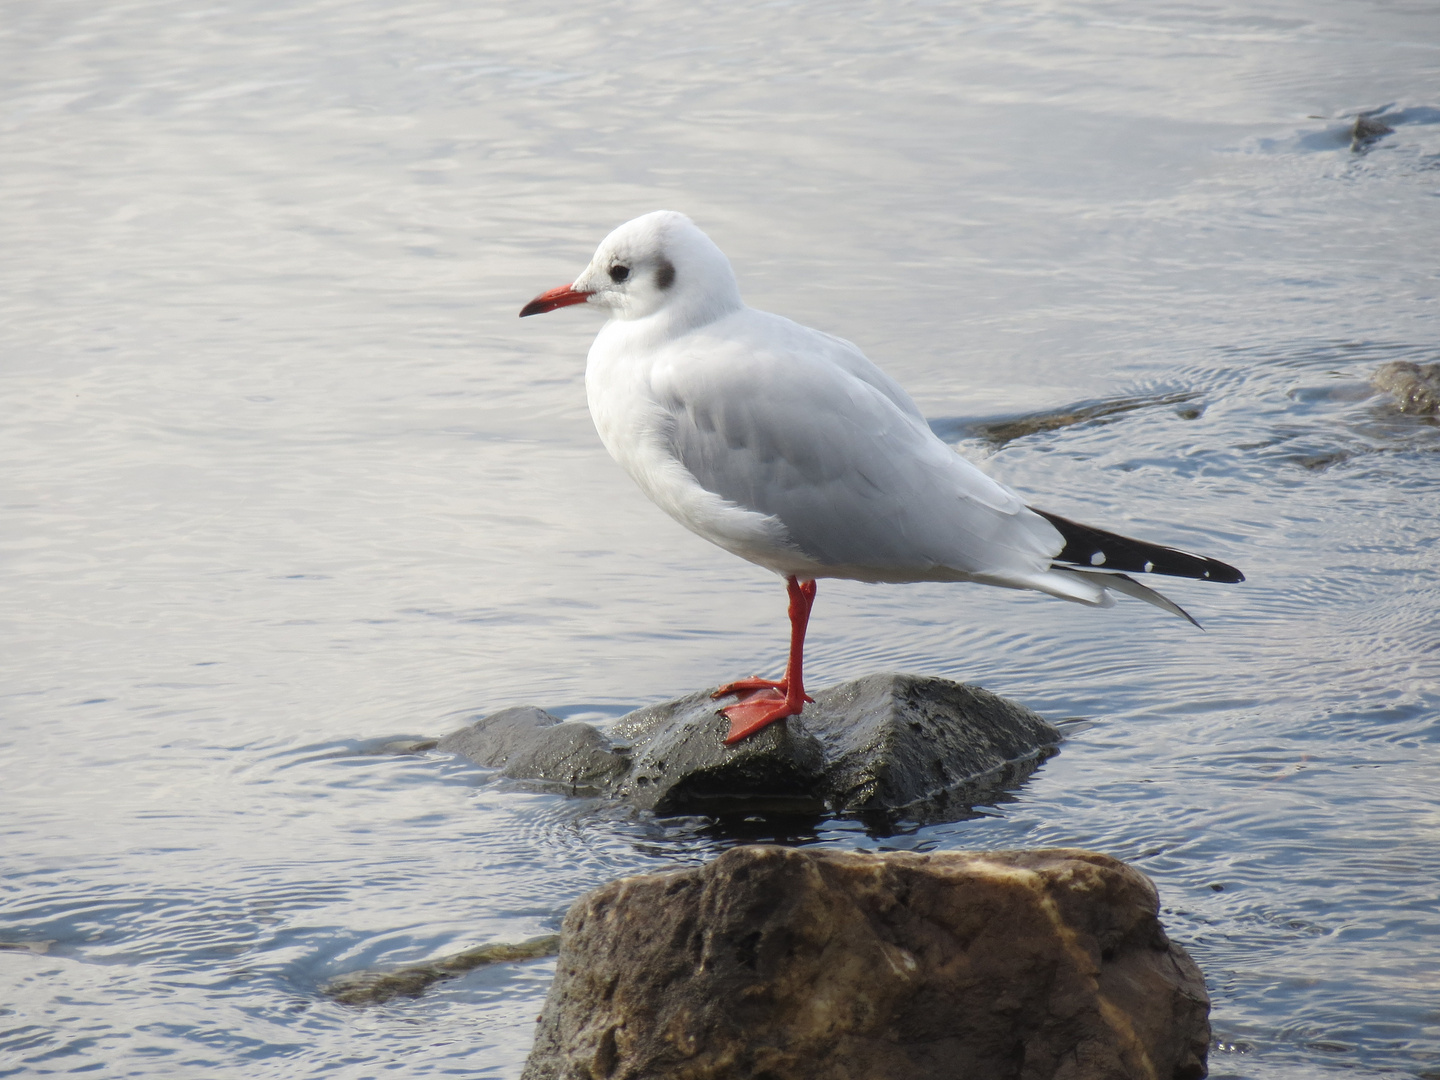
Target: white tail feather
[(1130, 587)]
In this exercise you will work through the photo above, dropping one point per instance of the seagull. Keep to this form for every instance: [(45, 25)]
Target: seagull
[(787, 447)]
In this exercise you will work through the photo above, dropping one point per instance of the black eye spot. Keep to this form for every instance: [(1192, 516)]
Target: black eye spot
[(619, 273), (664, 275)]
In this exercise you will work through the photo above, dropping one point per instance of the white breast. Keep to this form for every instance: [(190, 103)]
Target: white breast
[(633, 427)]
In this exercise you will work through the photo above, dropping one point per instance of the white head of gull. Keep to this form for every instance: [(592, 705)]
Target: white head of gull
[(787, 447)]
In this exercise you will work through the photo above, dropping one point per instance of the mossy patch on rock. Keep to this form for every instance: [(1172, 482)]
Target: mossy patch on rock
[(375, 986)]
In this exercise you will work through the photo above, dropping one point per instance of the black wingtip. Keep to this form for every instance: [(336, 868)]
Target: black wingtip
[(1086, 546)]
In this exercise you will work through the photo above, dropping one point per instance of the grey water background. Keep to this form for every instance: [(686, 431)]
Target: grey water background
[(284, 478)]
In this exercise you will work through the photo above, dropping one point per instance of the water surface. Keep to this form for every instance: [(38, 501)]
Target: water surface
[(284, 477)]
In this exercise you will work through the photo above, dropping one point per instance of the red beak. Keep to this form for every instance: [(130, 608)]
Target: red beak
[(551, 299)]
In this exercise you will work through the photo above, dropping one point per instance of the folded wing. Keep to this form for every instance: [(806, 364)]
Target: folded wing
[(798, 425)]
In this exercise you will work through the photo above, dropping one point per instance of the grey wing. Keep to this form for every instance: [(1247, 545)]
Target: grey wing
[(855, 476)]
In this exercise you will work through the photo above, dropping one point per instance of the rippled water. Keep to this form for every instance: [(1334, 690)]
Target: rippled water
[(284, 477)]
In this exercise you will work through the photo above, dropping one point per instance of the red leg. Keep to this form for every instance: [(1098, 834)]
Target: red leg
[(765, 701)]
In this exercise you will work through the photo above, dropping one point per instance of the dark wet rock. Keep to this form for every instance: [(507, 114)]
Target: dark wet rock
[(680, 763), (375, 986), (401, 747), (1415, 387), (815, 964), (882, 744), (527, 743), (1366, 129)]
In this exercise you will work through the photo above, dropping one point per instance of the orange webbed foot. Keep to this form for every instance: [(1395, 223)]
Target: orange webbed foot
[(744, 686), (757, 711)]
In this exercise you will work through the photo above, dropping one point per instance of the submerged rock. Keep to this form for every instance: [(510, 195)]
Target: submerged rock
[(39, 948), (1367, 128), (527, 743), (814, 964), (375, 986), (883, 744), (1415, 387), (1001, 430)]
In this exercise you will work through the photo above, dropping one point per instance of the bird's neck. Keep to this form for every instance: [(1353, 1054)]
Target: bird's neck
[(675, 320)]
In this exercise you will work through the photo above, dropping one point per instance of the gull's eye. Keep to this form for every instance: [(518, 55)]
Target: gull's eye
[(619, 273)]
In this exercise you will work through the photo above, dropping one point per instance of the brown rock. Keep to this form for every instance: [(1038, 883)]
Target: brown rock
[(780, 964), (1415, 387)]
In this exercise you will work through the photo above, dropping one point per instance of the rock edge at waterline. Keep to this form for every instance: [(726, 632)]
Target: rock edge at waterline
[(815, 964), (881, 744), (375, 986)]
